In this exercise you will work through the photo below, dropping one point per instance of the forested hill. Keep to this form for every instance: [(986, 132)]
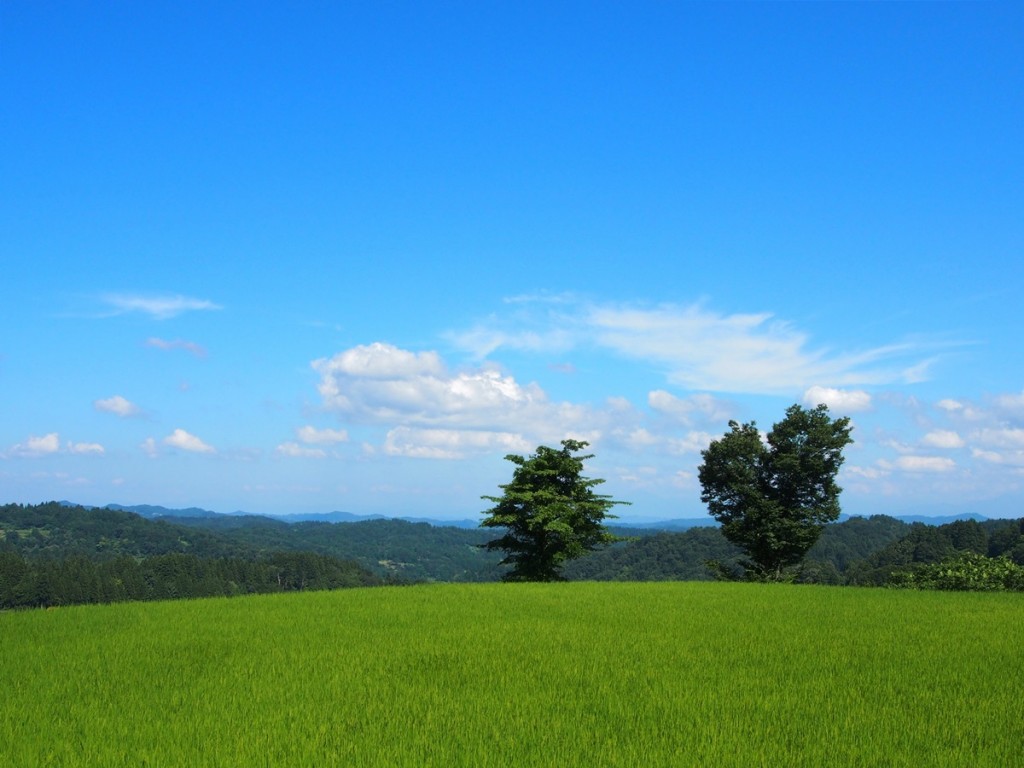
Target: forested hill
[(393, 549), (856, 551)]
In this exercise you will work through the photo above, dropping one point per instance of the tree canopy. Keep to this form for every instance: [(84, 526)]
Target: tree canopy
[(773, 498), (549, 512)]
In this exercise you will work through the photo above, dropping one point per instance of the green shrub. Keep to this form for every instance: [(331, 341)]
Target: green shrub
[(967, 571)]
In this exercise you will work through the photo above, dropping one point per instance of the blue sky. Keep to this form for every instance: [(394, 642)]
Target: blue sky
[(303, 257)]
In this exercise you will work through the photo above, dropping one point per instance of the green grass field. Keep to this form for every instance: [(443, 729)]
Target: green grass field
[(577, 674)]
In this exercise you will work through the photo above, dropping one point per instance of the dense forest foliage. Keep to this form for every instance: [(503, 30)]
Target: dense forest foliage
[(55, 554), (393, 549), (874, 551), (39, 583), (51, 554)]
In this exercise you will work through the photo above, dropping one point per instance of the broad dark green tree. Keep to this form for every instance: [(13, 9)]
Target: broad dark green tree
[(774, 499), (549, 512)]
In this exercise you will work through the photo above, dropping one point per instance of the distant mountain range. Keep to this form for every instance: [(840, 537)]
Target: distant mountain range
[(153, 512)]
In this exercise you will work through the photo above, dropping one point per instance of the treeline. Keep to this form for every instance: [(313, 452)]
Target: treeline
[(45, 582), (923, 546), (875, 551), (238, 554)]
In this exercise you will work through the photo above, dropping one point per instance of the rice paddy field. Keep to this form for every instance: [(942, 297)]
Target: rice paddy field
[(572, 674)]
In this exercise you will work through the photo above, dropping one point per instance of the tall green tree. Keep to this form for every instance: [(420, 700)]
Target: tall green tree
[(549, 512), (774, 499)]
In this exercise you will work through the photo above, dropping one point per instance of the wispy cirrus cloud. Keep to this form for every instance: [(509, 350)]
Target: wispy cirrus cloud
[(309, 439), (926, 464), (159, 307), (312, 435), (698, 348), (165, 344), (86, 449), (300, 451)]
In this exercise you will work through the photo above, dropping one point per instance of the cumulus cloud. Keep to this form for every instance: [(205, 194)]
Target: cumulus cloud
[(149, 447), (314, 436), (118, 406), (943, 438), (165, 344), (451, 443), (38, 446), (452, 413), (300, 451), (842, 400), (89, 449), (179, 438), (157, 307), (381, 361), (382, 383)]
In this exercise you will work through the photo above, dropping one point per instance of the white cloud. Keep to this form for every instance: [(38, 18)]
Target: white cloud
[(869, 473), (841, 400), (482, 341), (1001, 437), (1014, 402), (692, 442), (189, 346), (699, 349), (382, 383), (92, 449), (38, 446), (158, 307), (687, 410), (315, 436), (450, 443), (752, 353), (453, 413), (1010, 458), (117, 405), (187, 442), (950, 405), (641, 440), (992, 457), (300, 451), (943, 438), (924, 464), (381, 361), (149, 447)]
